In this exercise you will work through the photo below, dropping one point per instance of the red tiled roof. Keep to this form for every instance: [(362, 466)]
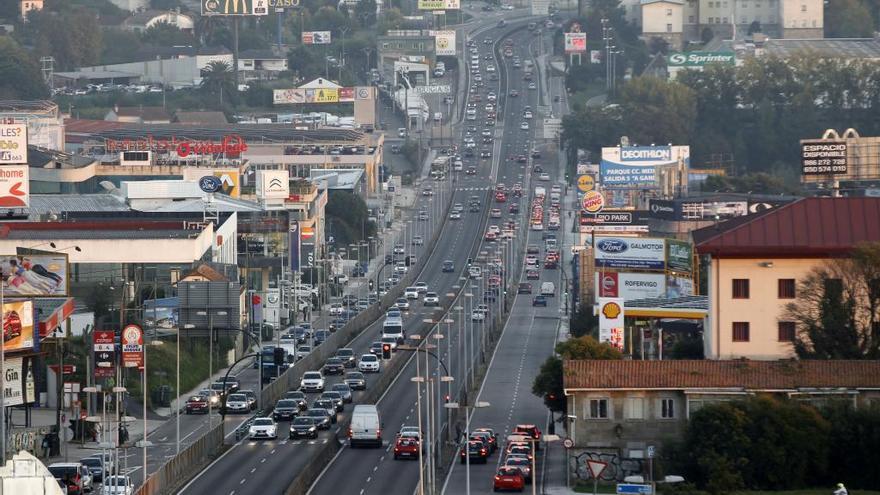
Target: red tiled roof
[(737, 374), (811, 227)]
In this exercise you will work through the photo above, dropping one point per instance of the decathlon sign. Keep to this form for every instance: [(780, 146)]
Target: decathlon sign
[(699, 59), (635, 167)]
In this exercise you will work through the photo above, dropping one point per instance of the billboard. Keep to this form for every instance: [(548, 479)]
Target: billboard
[(273, 184), (631, 286), (634, 167), (307, 247), (611, 320), (593, 202), (699, 59), (439, 4), (230, 180), (15, 186), (103, 342), (607, 217), (133, 347), (595, 56), (679, 286), (18, 383), (316, 38), (575, 42), (342, 95), (444, 42), (825, 158), (235, 7), (13, 144), (637, 253), (679, 256), (18, 325), (34, 275)]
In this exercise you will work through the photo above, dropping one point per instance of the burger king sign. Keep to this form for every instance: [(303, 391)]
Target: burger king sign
[(593, 202)]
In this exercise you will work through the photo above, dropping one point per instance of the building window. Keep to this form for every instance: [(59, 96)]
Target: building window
[(668, 12), (724, 20), (804, 8), (785, 288), (786, 331), (669, 28), (667, 408), (598, 409), (634, 408), (772, 19), (725, 5), (740, 288), (740, 331), (690, 19), (758, 5)]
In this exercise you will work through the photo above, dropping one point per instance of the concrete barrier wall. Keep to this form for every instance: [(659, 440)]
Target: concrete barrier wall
[(181, 467)]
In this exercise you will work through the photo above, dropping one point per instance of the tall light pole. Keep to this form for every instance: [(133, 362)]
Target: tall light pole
[(144, 442), (467, 434)]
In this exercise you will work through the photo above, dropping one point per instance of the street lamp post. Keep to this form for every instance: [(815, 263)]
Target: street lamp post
[(467, 434), (211, 355)]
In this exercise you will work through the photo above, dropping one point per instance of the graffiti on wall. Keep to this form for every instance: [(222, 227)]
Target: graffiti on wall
[(618, 467)]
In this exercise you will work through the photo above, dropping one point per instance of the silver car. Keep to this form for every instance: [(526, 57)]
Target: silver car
[(344, 390)]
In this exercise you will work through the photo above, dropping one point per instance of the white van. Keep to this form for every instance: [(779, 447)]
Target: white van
[(548, 289), (365, 427)]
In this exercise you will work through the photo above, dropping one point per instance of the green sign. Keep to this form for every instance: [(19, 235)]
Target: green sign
[(699, 59), (679, 256)]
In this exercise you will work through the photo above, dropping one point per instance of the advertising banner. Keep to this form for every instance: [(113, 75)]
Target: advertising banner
[(607, 217), (15, 191), (18, 384), (133, 347), (586, 182), (595, 56), (18, 325), (273, 184), (230, 180), (13, 144), (700, 59), (293, 243), (235, 7), (611, 320), (638, 253), (444, 42), (824, 158), (34, 275), (346, 94), (316, 38), (288, 96), (439, 4), (679, 256), (365, 92), (634, 167), (679, 286), (593, 202), (575, 42), (323, 95), (105, 353), (307, 247), (631, 286)]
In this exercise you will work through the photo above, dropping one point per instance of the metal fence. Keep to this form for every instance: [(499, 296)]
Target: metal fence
[(182, 466)]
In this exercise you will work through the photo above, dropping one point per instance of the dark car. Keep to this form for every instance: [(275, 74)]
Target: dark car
[(304, 427), (486, 438), (251, 397), (539, 300), (336, 397), (285, 410), (197, 404), (334, 366), (298, 397), (96, 467), (524, 288), (529, 430), (320, 416), (356, 380), (327, 405), (476, 450), (448, 266), (346, 354), (376, 348), (389, 259), (321, 336)]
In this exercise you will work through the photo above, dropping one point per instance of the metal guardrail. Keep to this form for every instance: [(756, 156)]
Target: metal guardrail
[(179, 468)]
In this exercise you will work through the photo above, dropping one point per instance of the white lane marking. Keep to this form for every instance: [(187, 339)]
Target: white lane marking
[(242, 481)]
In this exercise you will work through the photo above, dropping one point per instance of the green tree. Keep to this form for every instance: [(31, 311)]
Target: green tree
[(166, 34), (365, 12), (74, 40), (648, 100), (119, 45), (837, 309), (349, 218), (584, 322), (218, 79), (548, 383), (21, 76), (848, 19)]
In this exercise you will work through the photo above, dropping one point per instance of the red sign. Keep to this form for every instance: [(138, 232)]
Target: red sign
[(133, 347), (231, 145), (593, 202), (68, 369), (608, 284), (105, 353)]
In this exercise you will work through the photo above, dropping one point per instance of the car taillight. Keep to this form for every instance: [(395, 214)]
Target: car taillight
[(378, 433), (497, 478), (349, 433)]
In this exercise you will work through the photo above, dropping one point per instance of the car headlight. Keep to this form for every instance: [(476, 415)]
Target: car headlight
[(311, 428)]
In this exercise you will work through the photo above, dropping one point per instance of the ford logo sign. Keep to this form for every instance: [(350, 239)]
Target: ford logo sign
[(209, 184), (612, 246)]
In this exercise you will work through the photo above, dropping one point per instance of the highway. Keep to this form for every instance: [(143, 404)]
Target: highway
[(360, 471)]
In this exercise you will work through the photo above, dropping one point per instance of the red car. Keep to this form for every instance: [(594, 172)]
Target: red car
[(509, 478), (500, 197), (406, 447), (196, 404), (11, 326), (476, 450)]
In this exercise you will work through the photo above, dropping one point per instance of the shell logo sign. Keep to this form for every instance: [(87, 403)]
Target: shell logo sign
[(611, 310), (593, 202)]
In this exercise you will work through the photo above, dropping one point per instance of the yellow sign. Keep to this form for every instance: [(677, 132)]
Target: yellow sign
[(329, 95), (611, 310), (586, 183), (593, 202), (439, 4)]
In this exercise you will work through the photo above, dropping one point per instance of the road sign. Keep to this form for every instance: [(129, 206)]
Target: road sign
[(433, 90), (596, 468), (568, 443), (634, 489), (650, 451)]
